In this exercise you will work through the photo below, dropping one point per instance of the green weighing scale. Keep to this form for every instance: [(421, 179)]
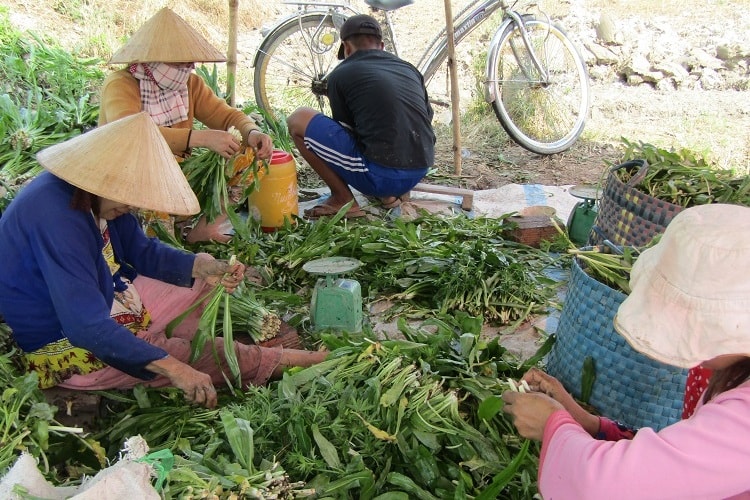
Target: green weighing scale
[(336, 302), (582, 217)]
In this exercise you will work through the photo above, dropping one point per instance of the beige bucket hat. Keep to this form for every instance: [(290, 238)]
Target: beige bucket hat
[(127, 161), (166, 37), (690, 298)]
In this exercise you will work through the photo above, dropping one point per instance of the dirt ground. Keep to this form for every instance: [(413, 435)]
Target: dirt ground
[(617, 110)]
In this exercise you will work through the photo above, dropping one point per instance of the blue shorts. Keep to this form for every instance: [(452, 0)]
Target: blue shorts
[(335, 145)]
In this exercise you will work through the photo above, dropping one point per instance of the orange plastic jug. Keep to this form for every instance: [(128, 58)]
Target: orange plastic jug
[(276, 198)]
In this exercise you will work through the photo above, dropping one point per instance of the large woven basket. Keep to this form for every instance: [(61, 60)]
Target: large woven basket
[(627, 216), (629, 387)]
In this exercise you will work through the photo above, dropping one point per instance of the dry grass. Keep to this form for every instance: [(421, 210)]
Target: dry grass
[(99, 27)]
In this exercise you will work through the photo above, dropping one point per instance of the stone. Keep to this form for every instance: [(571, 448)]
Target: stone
[(606, 29), (603, 55), (674, 70), (711, 80)]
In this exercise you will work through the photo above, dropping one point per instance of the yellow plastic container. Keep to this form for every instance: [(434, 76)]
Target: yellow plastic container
[(276, 199)]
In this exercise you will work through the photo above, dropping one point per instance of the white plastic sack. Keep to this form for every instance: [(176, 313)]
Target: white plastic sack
[(124, 480)]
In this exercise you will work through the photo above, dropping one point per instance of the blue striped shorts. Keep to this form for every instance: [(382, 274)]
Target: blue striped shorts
[(335, 145)]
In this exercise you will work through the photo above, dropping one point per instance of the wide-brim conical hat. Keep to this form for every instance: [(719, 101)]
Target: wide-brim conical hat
[(127, 161), (166, 37)]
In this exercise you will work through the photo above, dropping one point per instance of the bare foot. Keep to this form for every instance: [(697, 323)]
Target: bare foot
[(390, 201), (218, 230)]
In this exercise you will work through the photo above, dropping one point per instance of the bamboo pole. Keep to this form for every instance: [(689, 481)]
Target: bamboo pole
[(232, 51), (455, 111)]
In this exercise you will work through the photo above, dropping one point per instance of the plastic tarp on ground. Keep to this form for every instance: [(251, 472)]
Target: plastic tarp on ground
[(487, 203)]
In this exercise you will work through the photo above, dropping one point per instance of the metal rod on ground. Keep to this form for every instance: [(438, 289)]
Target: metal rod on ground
[(232, 51), (456, 112)]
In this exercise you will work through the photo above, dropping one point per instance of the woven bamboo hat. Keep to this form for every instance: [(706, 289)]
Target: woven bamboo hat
[(127, 161), (690, 298), (166, 37)]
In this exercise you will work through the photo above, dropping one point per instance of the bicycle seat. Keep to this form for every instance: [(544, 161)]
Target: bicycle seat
[(388, 4)]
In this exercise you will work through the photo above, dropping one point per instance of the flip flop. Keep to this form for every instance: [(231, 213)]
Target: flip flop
[(324, 210)]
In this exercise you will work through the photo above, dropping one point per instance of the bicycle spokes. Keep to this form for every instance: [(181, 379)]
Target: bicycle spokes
[(293, 67), (541, 88)]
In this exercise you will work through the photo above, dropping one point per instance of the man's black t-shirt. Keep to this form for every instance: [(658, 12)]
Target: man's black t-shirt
[(383, 100)]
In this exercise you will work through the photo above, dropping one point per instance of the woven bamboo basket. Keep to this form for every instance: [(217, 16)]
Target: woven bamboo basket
[(629, 387), (628, 216)]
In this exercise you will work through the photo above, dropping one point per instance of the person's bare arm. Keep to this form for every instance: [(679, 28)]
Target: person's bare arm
[(540, 381)]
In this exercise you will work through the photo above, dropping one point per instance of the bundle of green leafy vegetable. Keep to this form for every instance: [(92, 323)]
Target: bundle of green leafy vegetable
[(606, 263)]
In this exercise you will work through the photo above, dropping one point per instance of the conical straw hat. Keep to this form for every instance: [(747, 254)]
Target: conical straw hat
[(166, 37), (127, 161)]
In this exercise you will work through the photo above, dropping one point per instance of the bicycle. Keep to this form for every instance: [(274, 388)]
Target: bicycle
[(535, 79)]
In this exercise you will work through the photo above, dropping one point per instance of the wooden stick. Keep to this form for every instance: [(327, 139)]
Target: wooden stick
[(467, 195), (232, 51), (456, 112)]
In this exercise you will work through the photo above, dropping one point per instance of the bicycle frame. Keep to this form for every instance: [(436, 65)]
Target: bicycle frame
[(465, 22), (493, 53), (557, 107)]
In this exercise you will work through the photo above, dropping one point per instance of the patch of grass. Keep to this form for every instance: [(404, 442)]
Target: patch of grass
[(7, 33)]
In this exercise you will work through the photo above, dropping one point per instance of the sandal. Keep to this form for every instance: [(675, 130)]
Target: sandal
[(324, 210)]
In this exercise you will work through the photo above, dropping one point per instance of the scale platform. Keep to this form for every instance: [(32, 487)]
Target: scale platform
[(336, 302), (586, 191)]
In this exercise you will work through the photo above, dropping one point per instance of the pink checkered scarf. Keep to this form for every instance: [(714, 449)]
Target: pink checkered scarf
[(164, 91)]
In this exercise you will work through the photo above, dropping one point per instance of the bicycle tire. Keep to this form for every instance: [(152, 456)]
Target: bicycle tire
[(545, 118), (293, 63)]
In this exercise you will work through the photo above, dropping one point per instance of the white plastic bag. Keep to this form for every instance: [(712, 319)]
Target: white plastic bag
[(125, 480)]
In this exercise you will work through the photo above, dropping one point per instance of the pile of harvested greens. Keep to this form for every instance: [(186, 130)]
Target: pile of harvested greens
[(417, 417), (414, 418), (431, 264), (684, 178)]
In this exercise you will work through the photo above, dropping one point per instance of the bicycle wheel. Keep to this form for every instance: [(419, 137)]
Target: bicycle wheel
[(543, 115), (293, 63)]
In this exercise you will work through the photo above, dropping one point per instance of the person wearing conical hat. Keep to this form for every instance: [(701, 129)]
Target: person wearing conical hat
[(88, 295), (159, 79), (689, 306)]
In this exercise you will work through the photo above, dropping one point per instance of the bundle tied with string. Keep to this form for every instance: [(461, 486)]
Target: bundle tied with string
[(628, 386)]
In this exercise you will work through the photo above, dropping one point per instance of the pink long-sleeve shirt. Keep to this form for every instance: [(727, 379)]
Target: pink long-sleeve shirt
[(704, 457)]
